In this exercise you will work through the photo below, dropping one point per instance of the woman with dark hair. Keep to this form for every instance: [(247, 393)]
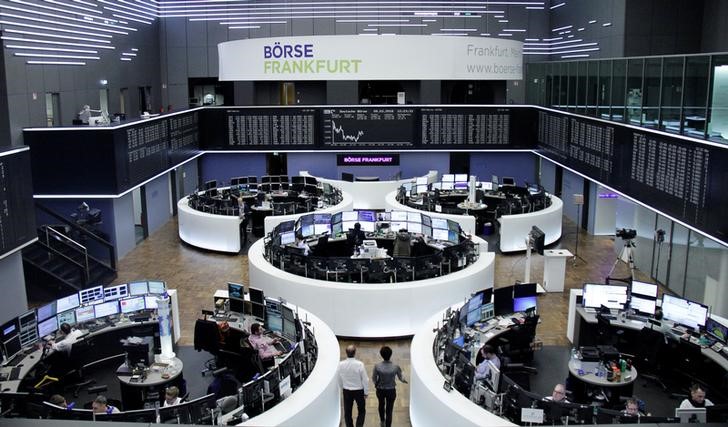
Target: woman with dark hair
[(384, 380)]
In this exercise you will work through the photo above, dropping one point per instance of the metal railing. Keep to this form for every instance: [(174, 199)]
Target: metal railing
[(50, 231)]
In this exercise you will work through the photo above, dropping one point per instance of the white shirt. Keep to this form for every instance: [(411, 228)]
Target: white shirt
[(352, 375), (177, 401), (687, 405), (66, 344), (483, 369)]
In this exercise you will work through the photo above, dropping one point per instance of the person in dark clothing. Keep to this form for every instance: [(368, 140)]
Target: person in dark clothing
[(244, 215), (383, 377), (356, 236)]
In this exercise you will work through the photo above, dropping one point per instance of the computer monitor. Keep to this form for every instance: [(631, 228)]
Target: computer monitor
[(437, 186), (130, 305), (48, 326), (106, 309), (274, 321), (258, 311), (448, 177), (84, 314), (475, 301), (453, 237), (256, 295), (237, 305), (414, 227), (486, 186), (524, 303), (643, 288), (46, 311), (67, 317), (368, 227), (683, 311), (345, 176), (503, 300), (115, 292), (460, 186), (421, 180), (336, 229), (67, 303), (717, 330), (398, 216), (28, 328), (612, 296), (461, 177), (459, 341), (150, 302), (440, 234), (236, 290), (324, 228), (508, 180), (156, 287), (286, 226), (265, 179), (298, 180), (138, 288), (472, 317), (12, 346), (10, 329), (439, 223), (447, 186), (525, 290), (643, 305), (289, 329), (366, 216), (691, 415), (210, 184)]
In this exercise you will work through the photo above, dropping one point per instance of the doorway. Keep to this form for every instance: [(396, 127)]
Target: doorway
[(276, 163), (141, 229)]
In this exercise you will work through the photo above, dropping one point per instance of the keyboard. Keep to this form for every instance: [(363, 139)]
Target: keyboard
[(94, 327), (16, 359), (609, 316), (14, 373)]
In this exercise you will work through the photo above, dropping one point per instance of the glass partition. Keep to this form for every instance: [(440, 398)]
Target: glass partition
[(662, 238), (592, 84), (718, 109), (572, 88), (651, 92), (581, 87), (635, 67), (672, 83), (695, 95), (678, 258), (619, 77), (604, 91)]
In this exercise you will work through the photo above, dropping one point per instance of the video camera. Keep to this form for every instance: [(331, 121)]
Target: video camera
[(626, 233)]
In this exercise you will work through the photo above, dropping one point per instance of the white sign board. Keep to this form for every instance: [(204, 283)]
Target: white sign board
[(531, 415), (284, 387), (401, 57)]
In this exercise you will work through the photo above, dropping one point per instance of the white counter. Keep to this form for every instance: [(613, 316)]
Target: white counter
[(206, 230), (367, 310), (467, 222), (430, 404), (316, 401), (515, 228), (346, 204), (370, 194)]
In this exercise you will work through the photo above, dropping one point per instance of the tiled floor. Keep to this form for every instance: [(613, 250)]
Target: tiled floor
[(196, 274)]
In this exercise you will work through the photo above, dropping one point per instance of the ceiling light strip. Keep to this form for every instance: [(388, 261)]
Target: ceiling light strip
[(21, 39), (245, 27), (396, 25), (58, 36), (368, 20), (514, 30), (132, 19), (458, 29), (125, 59), (137, 6), (472, 8), (551, 44), (449, 34), (503, 3), (40, 6), (249, 22), (49, 21), (55, 63), (557, 5), (128, 54), (88, 9), (48, 55), (560, 47), (243, 17), (146, 15), (86, 21), (50, 49), (582, 55)]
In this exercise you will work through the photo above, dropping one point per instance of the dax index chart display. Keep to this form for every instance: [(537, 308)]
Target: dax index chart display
[(368, 127)]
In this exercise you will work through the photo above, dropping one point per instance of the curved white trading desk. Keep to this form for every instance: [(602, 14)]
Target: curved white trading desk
[(206, 230), (370, 194), (367, 310), (515, 228), (430, 403), (346, 204), (467, 222), (316, 401)]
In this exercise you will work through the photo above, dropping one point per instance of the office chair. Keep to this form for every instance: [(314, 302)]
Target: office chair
[(427, 267), (360, 265), (297, 263), (322, 246), (317, 267), (404, 269), (207, 337), (380, 271), (605, 335), (338, 267), (648, 359)]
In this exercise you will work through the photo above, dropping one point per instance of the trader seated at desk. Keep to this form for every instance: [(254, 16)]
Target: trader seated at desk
[(65, 342), (355, 237), (696, 399), (171, 396), (482, 371), (558, 395), (301, 244), (263, 344), (101, 406)]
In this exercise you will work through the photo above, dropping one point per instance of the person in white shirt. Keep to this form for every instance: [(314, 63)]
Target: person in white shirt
[(171, 396), (697, 398), (301, 244), (65, 343), (482, 371), (355, 385), (558, 395)]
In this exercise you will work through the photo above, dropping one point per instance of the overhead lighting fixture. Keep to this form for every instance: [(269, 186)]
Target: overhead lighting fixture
[(128, 54), (562, 28), (363, 20), (21, 39), (583, 55), (44, 55), (557, 5), (245, 27), (396, 25), (49, 21), (61, 30), (458, 29), (49, 49), (515, 30), (104, 82), (35, 33), (55, 62), (607, 24), (37, 12), (125, 59), (593, 21)]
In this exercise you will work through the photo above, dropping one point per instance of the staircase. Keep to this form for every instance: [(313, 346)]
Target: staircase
[(66, 259)]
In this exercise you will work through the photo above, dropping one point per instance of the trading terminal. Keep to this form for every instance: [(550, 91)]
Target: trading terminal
[(581, 107)]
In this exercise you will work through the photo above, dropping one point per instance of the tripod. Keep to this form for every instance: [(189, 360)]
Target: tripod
[(626, 255), (578, 228)]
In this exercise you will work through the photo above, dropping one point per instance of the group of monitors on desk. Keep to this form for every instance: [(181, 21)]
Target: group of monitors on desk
[(486, 304), (86, 305), (277, 317), (455, 182), (642, 297), (267, 183), (371, 222), (256, 306)]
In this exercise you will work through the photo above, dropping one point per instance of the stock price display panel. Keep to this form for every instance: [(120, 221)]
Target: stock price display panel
[(476, 127), (263, 128), (142, 150), (367, 127), (184, 136), (679, 177), (17, 222)]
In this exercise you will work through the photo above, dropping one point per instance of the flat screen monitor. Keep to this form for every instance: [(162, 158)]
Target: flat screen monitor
[(487, 186), (475, 302), (453, 226), (448, 177), (298, 180), (115, 292), (84, 314), (611, 296), (256, 295), (307, 230), (439, 223), (274, 321), (265, 179), (138, 288), (323, 228), (310, 180), (347, 225), (422, 180), (28, 328), (461, 186), (258, 311), (336, 218), (461, 177), (524, 303), (453, 237), (447, 186), (643, 305), (286, 226), (414, 217), (397, 226), (305, 220), (47, 326), (156, 287), (508, 180), (503, 300), (350, 216), (337, 229), (473, 316), (322, 218), (288, 237), (150, 302), (106, 309), (524, 290), (12, 346), (683, 311), (236, 290), (437, 186), (289, 329), (459, 341), (131, 305), (237, 305), (440, 234), (414, 227), (67, 303), (717, 330), (426, 230), (398, 216), (369, 227), (643, 288), (421, 189), (9, 329), (67, 317), (691, 415), (367, 216), (46, 311)]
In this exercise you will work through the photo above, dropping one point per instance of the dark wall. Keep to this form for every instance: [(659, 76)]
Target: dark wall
[(224, 166), (715, 26), (521, 166), (663, 27)]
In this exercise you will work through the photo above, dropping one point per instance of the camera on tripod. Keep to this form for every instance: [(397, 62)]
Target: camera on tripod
[(626, 233)]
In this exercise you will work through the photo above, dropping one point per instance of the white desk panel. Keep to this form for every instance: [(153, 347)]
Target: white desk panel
[(430, 404), (347, 307), (515, 228), (206, 230), (346, 204)]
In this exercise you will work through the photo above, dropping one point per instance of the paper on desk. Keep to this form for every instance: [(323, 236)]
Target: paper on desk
[(505, 322)]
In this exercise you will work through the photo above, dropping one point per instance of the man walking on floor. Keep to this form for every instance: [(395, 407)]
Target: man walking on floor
[(355, 385)]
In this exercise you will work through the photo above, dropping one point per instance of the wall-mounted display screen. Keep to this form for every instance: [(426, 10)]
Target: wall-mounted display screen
[(16, 198), (91, 295)]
